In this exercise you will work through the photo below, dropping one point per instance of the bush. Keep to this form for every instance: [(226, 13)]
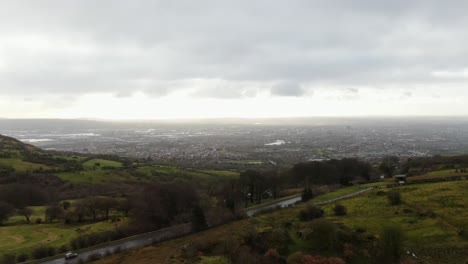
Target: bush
[(89, 240), (38, 221), (43, 252), (198, 219), (307, 194), (394, 197), (340, 210), (63, 249), (324, 234), (22, 257), (8, 259), (361, 230), (391, 244), (381, 193), (310, 213)]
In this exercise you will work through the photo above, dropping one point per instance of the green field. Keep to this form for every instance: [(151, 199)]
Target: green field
[(447, 200), (338, 193), (23, 238), (95, 176), (169, 173), (17, 236), (22, 166), (101, 163), (222, 173)]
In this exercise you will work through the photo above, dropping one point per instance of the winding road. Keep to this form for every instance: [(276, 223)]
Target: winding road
[(148, 239)]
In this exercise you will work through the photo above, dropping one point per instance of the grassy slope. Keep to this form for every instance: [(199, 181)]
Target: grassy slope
[(22, 166), (159, 172), (433, 239), (95, 176), (102, 163), (23, 238)]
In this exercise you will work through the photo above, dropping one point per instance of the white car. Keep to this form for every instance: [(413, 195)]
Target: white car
[(71, 255)]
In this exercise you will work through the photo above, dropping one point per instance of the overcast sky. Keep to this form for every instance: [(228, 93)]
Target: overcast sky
[(194, 59)]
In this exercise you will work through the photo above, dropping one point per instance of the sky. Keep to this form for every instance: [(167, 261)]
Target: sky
[(245, 58)]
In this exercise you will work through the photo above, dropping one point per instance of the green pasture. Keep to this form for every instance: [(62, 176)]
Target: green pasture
[(23, 238), (22, 166), (95, 176), (101, 163), (169, 173)]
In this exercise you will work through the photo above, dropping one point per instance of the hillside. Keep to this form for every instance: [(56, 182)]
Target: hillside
[(432, 217), (49, 198), (13, 148)]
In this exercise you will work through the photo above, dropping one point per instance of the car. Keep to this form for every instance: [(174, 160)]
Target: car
[(71, 255)]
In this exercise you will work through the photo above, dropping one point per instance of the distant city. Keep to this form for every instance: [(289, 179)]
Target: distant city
[(245, 143)]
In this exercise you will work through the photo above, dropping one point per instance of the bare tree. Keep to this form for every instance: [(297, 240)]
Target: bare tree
[(26, 212)]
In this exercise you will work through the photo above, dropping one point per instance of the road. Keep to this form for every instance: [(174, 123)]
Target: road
[(281, 204), (127, 244), (165, 234), (293, 201)]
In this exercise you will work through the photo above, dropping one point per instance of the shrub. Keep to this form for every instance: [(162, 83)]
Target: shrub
[(394, 197), (93, 239), (307, 194), (321, 260), (295, 258), (43, 252), (311, 212), (361, 230), (381, 193), (22, 257), (324, 234), (463, 233), (62, 249), (8, 259), (198, 219), (340, 210), (391, 244)]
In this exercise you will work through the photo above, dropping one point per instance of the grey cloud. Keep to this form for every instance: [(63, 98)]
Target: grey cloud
[(77, 47), (287, 89)]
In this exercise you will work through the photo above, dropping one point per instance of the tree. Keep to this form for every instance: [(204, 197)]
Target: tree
[(80, 211), (53, 212), (198, 219), (6, 211), (307, 194), (124, 206), (105, 204), (157, 206), (92, 204), (26, 212), (249, 181), (389, 165), (391, 244), (65, 205)]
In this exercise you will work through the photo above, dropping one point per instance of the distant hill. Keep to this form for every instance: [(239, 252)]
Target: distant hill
[(13, 148)]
